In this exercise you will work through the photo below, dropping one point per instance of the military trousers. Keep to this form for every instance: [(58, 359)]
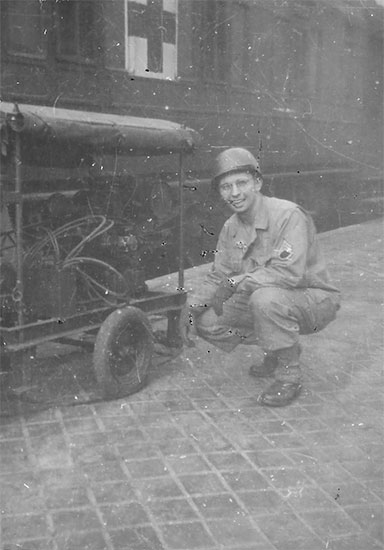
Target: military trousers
[(271, 318)]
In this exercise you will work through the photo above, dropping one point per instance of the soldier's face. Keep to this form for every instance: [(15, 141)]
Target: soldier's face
[(240, 190)]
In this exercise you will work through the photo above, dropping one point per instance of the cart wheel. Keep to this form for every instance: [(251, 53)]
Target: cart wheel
[(123, 352)]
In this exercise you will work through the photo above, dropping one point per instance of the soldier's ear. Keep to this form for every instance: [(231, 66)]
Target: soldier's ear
[(258, 182)]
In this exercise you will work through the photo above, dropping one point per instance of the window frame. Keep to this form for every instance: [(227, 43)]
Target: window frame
[(128, 66), (9, 51), (78, 57)]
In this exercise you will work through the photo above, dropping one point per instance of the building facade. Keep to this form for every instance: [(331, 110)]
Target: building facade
[(299, 83)]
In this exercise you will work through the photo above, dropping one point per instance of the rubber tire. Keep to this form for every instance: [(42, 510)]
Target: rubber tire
[(115, 377)]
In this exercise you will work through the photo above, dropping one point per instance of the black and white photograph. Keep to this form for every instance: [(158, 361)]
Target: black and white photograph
[(191, 275)]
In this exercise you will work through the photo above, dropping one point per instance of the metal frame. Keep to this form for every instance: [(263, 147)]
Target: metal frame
[(45, 123)]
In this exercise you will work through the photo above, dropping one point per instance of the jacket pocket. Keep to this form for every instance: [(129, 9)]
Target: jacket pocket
[(322, 309)]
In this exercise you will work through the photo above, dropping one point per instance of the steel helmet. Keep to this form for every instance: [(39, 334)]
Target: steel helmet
[(233, 160)]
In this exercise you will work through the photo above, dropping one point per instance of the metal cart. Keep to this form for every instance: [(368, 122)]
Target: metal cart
[(70, 254)]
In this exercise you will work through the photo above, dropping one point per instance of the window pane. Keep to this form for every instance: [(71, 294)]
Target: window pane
[(114, 17), (87, 29), (68, 28), (26, 27), (76, 29)]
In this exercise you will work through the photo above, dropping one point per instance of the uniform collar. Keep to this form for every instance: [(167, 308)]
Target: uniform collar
[(261, 220)]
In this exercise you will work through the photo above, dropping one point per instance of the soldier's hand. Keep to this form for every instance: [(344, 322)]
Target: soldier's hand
[(223, 292)]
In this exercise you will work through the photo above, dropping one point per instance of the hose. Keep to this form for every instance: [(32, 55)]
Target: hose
[(73, 262), (103, 226)]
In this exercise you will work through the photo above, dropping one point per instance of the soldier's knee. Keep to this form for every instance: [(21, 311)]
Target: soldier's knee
[(265, 299), (205, 321)]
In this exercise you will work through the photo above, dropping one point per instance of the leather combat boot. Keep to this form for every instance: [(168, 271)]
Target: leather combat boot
[(287, 385), (267, 367)]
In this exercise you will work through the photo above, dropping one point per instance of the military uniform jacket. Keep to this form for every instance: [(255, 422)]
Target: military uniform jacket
[(279, 250)]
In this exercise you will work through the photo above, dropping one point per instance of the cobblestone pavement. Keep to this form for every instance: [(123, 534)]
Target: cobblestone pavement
[(192, 461)]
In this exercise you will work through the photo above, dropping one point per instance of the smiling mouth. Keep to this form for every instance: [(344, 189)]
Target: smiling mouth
[(237, 203)]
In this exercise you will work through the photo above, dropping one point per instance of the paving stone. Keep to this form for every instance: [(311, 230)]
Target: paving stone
[(92, 454), (93, 438), (118, 491), (186, 464), (151, 467), (170, 510), (376, 487), (250, 442), (271, 427), (81, 519), (328, 473), (287, 526), (15, 460), (287, 477), (186, 536), (80, 411), (81, 425), (157, 435), (149, 409), (10, 429), (174, 405), (66, 497), (135, 449), (123, 514), (29, 544), (370, 518), (365, 469), (104, 471), (308, 543), (208, 405), (269, 458), (201, 393), (218, 506), (57, 478), (352, 493), (303, 498), (237, 530), (263, 502), (44, 430), (286, 440), (330, 453), (23, 526), (51, 452), (156, 420), (245, 480), (202, 484), (330, 523), (164, 487), (228, 462), (121, 422), (304, 425), (302, 456), (322, 437), (177, 447), (88, 540), (256, 545), (354, 542), (20, 496), (140, 538)]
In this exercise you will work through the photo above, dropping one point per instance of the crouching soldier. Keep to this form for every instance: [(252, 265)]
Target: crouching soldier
[(268, 282)]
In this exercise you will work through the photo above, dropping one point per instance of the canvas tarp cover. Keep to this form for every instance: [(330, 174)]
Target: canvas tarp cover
[(104, 132)]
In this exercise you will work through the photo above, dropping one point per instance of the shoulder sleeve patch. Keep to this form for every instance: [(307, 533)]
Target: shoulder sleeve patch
[(285, 252)]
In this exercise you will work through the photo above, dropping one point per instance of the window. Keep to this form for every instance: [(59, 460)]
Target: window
[(77, 32), (141, 37), (242, 45), (26, 27), (212, 34)]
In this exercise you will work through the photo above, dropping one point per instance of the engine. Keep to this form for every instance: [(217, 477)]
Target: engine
[(83, 249)]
